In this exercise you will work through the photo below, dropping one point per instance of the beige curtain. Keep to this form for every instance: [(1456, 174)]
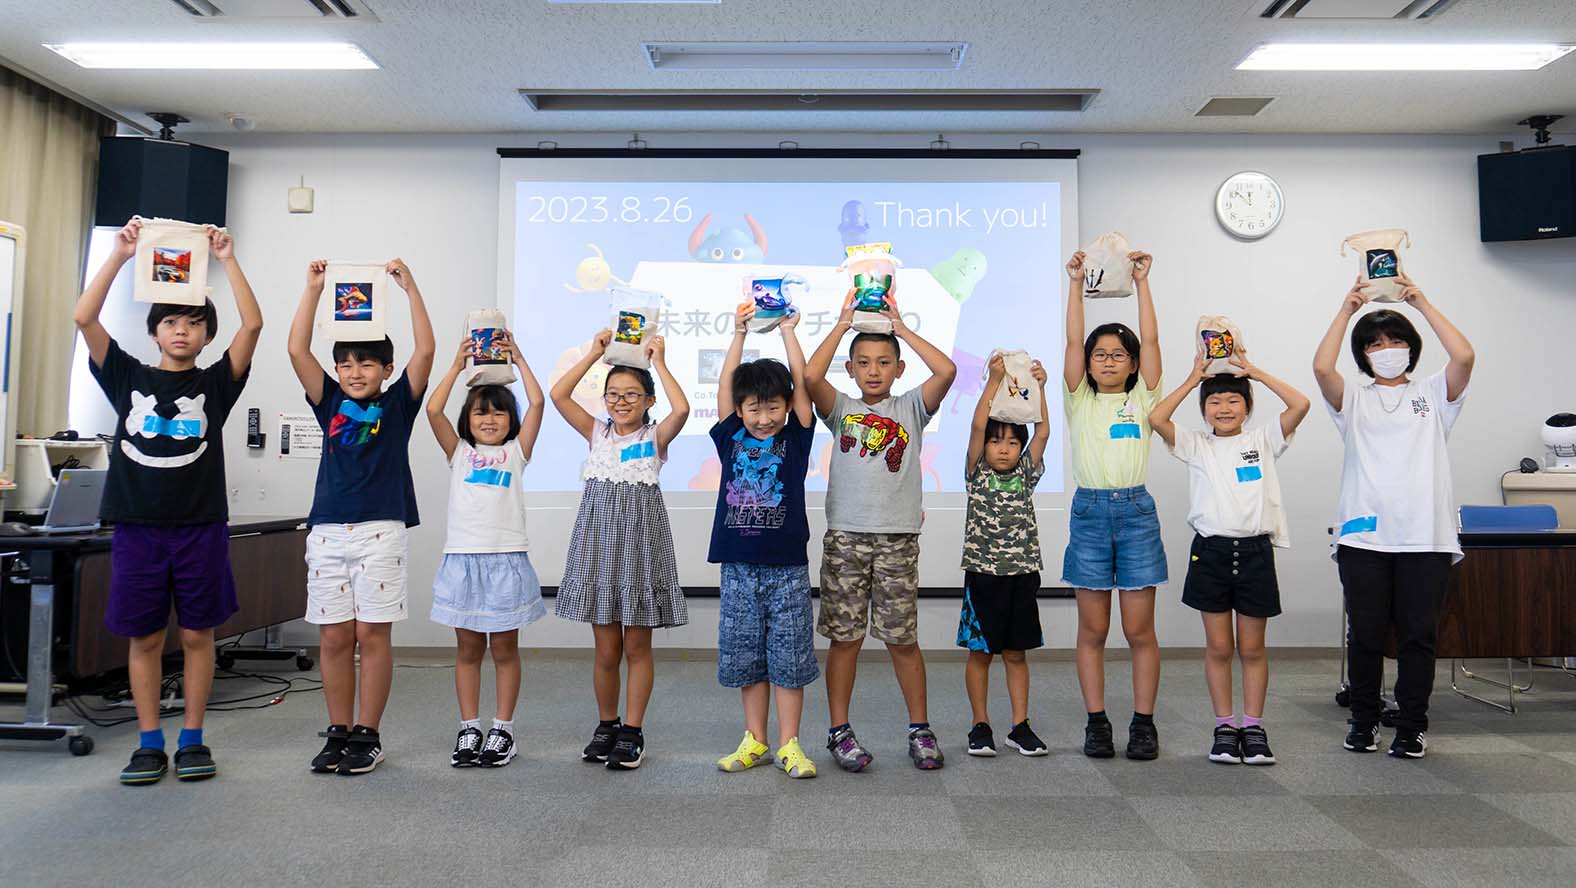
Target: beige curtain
[(48, 164)]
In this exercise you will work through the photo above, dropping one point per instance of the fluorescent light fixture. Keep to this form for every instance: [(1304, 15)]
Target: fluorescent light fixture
[(218, 56), (837, 56), (611, 2), (1403, 56)]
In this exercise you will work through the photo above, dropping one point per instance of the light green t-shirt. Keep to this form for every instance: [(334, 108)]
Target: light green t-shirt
[(1110, 435)]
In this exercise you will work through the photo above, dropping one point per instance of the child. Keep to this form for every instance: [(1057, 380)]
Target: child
[(621, 575), (763, 433), (1235, 510), (1113, 535), (363, 504), (486, 585), (870, 560), (1396, 520), (1001, 560), (165, 494)]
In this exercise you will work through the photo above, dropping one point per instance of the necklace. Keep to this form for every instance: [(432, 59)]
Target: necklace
[(1380, 394)]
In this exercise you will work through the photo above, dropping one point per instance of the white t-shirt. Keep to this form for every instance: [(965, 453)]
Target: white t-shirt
[(1233, 489), (1396, 494), (486, 499)]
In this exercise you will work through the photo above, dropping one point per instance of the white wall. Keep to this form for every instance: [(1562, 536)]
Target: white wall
[(433, 201)]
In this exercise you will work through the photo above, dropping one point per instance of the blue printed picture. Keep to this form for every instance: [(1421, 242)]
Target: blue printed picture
[(1383, 264), (488, 345), (353, 302)]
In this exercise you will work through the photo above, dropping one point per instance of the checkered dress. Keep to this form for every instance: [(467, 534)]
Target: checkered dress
[(621, 567)]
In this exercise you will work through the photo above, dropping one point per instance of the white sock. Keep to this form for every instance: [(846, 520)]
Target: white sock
[(505, 726), (470, 723)]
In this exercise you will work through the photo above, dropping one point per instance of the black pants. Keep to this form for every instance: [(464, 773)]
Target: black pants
[(1403, 591)]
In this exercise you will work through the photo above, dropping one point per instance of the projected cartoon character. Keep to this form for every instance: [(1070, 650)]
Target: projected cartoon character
[(854, 227), (593, 274), (875, 434), (960, 273), (158, 435), (728, 244)]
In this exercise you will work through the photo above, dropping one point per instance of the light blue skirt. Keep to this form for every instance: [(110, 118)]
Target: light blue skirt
[(487, 592)]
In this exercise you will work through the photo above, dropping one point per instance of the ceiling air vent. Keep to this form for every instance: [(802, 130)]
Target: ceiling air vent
[(276, 10), (1355, 9), (1232, 107)]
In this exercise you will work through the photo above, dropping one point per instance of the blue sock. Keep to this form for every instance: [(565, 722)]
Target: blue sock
[(152, 739), (832, 731), (914, 726), (189, 737)]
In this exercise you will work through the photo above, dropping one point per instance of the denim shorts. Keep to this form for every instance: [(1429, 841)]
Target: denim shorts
[(1113, 541), (765, 631)]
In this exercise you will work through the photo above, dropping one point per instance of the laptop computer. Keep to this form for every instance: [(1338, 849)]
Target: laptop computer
[(74, 508)]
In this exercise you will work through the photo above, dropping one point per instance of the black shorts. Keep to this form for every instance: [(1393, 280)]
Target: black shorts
[(1232, 574), (1000, 613)]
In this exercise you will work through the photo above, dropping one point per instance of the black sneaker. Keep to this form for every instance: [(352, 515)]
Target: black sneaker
[(467, 748), (327, 761), (498, 750), (1026, 741), (194, 762), (982, 741), (602, 740), (1143, 741), (1227, 748), (1362, 738), (148, 765), (1097, 740), (1408, 744), (363, 751), (1256, 746), (628, 751)]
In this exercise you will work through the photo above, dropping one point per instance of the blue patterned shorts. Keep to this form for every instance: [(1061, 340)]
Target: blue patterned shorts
[(766, 631)]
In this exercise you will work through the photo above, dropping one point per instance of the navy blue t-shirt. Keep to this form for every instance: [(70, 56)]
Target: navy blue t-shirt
[(760, 502), (364, 474)]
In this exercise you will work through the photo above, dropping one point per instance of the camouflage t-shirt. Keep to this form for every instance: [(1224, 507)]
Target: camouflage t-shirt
[(1000, 535)]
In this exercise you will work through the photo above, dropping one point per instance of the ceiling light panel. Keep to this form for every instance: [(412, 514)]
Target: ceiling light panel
[(218, 56), (1403, 56)]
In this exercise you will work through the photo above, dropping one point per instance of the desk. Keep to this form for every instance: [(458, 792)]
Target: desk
[(267, 555), (1513, 595)]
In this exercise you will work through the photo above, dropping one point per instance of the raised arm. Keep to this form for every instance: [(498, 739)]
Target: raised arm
[(1148, 329), (306, 367), (419, 367), (531, 419), (678, 405), (730, 361), (1297, 403), (1458, 372), (996, 369), (562, 391), (244, 344), (1331, 384), (442, 428), (823, 393), (1160, 416), (803, 407), (942, 370), (91, 302), (1073, 367), (1042, 429)]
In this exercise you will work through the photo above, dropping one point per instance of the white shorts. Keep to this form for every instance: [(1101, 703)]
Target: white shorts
[(356, 572)]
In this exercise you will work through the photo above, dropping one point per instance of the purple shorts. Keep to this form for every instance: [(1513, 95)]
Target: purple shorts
[(153, 567)]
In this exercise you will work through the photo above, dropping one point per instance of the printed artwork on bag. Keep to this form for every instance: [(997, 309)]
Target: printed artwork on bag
[(1383, 264), (353, 301), (875, 435), (488, 345), (870, 291), (1016, 389), (1217, 343), (172, 266), (355, 425), (631, 327), (486, 470), (165, 430), (755, 494)]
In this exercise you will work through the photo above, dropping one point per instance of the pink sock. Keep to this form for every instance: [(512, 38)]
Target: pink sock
[(1229, 721), (1252, 721)]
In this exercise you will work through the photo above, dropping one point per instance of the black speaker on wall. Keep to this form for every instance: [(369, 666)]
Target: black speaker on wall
[(1527, 195), (168, 179)]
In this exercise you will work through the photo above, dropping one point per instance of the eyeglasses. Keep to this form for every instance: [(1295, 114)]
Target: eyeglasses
[(1100, 357), (625, 398)]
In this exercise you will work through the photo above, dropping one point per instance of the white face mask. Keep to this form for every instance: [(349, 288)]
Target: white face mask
[(1388, 363)]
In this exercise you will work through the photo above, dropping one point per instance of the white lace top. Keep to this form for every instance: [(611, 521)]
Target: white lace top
[(629, 458)]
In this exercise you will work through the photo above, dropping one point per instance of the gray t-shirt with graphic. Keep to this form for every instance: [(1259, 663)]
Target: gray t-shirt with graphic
[(1000, 534), (873, 485)]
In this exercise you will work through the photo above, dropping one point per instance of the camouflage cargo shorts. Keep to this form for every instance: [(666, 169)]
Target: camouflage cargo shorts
[(870, 580)]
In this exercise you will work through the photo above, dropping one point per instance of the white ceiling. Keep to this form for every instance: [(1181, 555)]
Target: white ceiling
[(451, 66)]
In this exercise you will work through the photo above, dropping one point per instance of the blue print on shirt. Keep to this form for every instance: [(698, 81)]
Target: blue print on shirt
[(638, 450), (355, 425), (173, 428), (1125, 430), (1365, 524), (490, 477), (1249, 473)]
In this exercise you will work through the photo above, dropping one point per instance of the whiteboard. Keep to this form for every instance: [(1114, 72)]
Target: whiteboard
[(12, 239)]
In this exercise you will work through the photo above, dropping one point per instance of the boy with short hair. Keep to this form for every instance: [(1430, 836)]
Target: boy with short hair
[(364, 501), (870, 559), (763, 434), (165, 494)]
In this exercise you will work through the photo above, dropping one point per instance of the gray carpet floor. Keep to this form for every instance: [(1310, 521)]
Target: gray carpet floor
[(1493, 804)]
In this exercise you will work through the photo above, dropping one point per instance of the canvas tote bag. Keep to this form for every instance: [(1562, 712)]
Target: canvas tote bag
[(358, 295), (171, 263), (634, 322), (1018, 398), (490, 365), (1108, 273), (1217, 338), (1379, 260)]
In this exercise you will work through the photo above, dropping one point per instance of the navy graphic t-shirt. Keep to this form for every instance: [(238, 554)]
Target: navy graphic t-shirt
[(760, 502), (364, 474)]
